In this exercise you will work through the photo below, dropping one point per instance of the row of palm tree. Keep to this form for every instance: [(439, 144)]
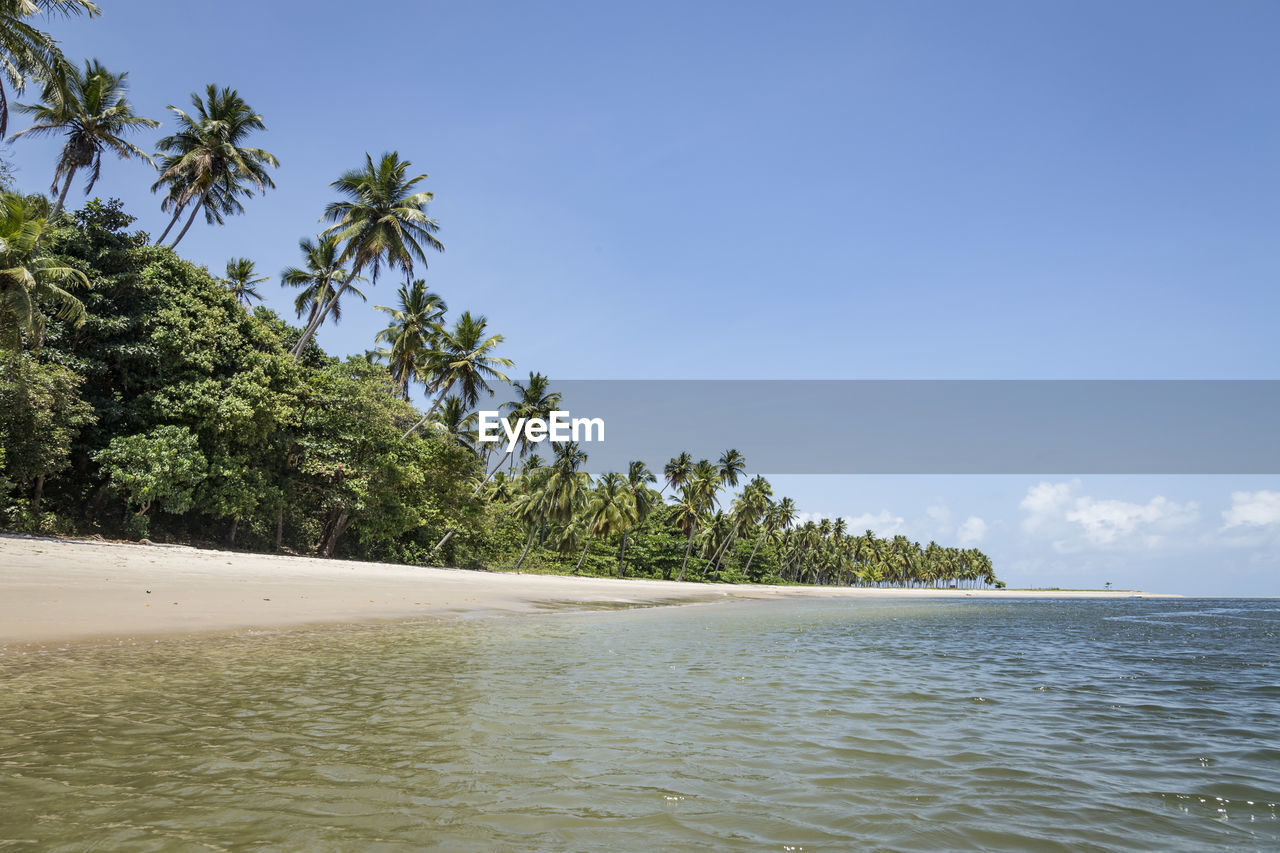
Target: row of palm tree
[(823, 552)]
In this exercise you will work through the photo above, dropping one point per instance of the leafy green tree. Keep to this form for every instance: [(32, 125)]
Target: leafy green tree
[(41, 414), (208, 157), (27, 52), (161, 467), (30, 275), (91, 108)]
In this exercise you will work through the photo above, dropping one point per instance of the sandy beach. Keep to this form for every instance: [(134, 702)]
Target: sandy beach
[(60, 591)]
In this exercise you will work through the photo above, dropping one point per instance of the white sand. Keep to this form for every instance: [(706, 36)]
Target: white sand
[(57, 591)]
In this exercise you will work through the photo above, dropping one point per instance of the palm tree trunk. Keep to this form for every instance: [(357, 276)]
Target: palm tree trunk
[(527, 545), (718, 556), (279, 526), (317, 317), (582, 556), (62, 196), (687, 550), (185, 228), (38, 496), (176, 213), (444, 539), (231, 534), (431, 412), (622, 553), (759, 539)]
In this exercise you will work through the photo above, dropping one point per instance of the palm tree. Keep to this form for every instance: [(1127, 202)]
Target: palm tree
[(242, 280), (643, 499), (92, 108), (382, 221), (535, 400), (320, 277), (29, 275), (28, 52), (462, 359), (778, 516), (457, 422), (677, 471), (207, 155), (697, 498), (610, 510), (412, 332), (732, 464)]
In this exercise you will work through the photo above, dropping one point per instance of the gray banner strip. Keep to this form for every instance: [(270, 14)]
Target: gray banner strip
[(936, 426)]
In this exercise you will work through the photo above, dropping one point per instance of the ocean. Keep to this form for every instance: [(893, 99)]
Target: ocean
[(1129, 724)]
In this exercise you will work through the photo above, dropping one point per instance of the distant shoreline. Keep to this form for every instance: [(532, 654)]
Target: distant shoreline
[(55, 591)]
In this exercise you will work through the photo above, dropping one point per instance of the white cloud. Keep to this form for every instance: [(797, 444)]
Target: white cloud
[(939, 514), (971, 532), (1253, 509), (1105, 522), (883, 523), (1080, 521), (1045, 501)]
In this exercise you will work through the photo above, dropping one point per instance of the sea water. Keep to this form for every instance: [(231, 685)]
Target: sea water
[(781, 725)]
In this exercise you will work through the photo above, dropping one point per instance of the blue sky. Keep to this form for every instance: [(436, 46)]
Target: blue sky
[(824, 190)]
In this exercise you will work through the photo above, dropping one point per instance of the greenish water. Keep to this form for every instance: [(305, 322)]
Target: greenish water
[(1022, 725)]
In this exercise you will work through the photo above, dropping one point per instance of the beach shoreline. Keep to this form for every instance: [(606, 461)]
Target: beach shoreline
[(60, 591)]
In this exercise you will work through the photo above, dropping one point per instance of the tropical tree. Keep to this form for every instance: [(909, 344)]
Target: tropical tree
[(412, 331), (242, 280), (698, 496), (207, 157), (534, 399), (676, 472), (29, 275), (643, 500), (27, 52), (90, 107), (320, 277), (610, 510), (380, 221), (462, 363), (778, 516)]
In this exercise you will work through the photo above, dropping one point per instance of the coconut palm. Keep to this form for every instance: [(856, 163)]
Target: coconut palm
[(456, 421), (91, 109), (462, 363), (732, 464), (27, 52), (412, 332), (320, 277), (610, 510), (381, 221), (748, 508), (30, 276), (535, 400), (242, 280), (778, 516), (698, 497), (677, 471), (208, 155)]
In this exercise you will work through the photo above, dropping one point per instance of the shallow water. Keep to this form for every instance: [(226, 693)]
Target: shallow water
[(821, 725)]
